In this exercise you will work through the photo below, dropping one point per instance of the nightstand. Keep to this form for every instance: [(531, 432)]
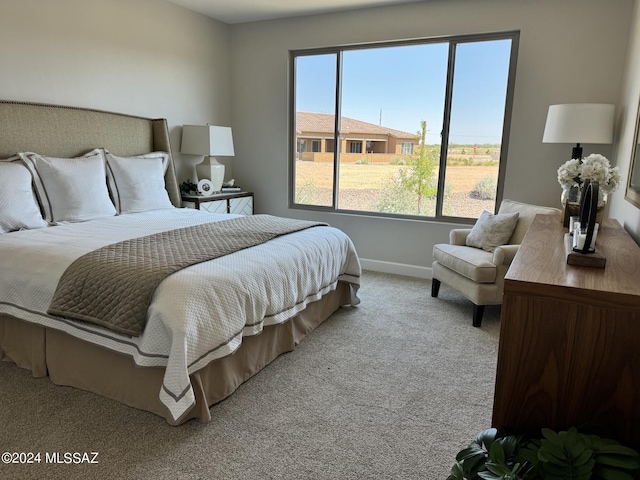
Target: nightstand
[(237, 202)]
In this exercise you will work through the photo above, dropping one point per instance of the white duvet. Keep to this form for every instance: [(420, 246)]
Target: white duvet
[(197, 314)]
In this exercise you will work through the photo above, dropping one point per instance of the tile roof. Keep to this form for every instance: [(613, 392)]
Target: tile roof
[(324, 123)]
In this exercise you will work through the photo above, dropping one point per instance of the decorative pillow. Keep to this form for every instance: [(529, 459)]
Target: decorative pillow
[(18, 206), (137, 183), (70, 189), (491, 231)]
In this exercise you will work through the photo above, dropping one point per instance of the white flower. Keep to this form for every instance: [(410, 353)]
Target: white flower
[(569, 173), (595, 167), (614, 181)]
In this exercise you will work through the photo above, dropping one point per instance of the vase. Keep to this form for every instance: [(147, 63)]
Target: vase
[(571, 198)]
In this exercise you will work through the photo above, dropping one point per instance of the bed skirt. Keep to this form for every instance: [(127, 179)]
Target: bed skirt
[(46, 351)]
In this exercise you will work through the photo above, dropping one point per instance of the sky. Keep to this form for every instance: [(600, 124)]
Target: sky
[(400, 86)]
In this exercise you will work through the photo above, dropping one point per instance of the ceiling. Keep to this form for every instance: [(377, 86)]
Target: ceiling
[(241, 11)]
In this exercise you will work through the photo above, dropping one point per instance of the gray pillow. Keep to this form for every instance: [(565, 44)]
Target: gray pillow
[(491, 231)]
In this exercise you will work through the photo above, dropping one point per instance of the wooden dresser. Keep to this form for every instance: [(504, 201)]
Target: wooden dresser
[(569, 351)]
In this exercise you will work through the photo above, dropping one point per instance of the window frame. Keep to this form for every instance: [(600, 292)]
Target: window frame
[(407, 148), (453, 41)]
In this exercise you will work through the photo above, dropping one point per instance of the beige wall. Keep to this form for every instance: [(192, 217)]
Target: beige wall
[(142, 57), (155, 59), (570, 51), (627, 214)]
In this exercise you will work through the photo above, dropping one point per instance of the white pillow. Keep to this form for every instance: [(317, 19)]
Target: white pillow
[(18, 206), (491, 231), (70, 189), (137, 183)]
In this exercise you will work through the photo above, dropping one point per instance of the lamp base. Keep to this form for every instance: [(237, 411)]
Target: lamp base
[(193, 164), (576, 152), (214, 171)]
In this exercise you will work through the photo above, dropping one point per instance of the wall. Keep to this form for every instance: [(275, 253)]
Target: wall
[(142, 57), (626, 213), (155, 59), (570, 51)]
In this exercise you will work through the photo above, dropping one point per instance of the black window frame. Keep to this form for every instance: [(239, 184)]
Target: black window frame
[(453, 41)]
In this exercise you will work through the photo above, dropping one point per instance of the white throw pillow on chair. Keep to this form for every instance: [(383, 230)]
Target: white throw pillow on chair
[(491, 231)]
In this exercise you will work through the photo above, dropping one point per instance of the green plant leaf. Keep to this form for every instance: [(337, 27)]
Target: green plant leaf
[(456, 472), (617, 449), (553, 469), (470, 451), (552, 436), (529, 451), (472, 466), (618, 461), (487, 437), (510, 443), (488, 476), (606, 473), (577, 455), (496, 453), (551, 452), (498, 469), (582, 457)]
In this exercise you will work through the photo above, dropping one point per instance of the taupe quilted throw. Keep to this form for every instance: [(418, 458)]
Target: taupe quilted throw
[(113, 285)]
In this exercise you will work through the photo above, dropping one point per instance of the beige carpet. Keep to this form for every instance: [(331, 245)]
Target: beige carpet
[(391, 389)]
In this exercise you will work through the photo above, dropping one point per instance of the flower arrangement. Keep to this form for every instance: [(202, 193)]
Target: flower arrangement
[(595, 167)]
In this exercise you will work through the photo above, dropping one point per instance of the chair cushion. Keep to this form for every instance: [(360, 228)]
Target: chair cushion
[(526, 215), (491, 231), (470, 262)]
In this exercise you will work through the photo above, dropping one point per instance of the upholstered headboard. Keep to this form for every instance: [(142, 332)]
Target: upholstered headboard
[(59, 131)]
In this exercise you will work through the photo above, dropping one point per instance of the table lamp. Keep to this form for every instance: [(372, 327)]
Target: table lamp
[(209, 141), (579, 123)]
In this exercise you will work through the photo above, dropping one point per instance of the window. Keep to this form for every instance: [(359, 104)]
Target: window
[(407, 148), (301, 147), (315, 146), (355, 147), (435, 139)]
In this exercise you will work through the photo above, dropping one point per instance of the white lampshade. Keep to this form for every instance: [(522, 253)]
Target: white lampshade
[(210, 141), (207, 140), (579, 123)]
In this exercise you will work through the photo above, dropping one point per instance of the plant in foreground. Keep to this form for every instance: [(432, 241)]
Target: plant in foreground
[(566, 455)]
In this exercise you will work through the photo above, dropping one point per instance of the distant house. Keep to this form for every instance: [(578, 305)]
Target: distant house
[(315, 139)]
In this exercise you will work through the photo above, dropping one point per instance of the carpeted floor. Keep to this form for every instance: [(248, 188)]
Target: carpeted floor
[(391, 389)]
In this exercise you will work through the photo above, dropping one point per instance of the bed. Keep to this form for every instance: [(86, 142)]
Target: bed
[(208, 325)]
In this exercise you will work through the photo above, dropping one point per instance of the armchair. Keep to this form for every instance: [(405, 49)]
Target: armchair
[(478, 274)]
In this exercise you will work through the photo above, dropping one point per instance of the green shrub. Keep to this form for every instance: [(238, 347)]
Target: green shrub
[(307, 193), (485, 188), (394, 198), (488, 163)]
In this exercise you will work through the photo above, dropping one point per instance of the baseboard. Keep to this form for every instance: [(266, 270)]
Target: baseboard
[(396, 268)]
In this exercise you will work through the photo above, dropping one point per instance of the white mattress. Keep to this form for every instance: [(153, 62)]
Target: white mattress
[(197, 314)]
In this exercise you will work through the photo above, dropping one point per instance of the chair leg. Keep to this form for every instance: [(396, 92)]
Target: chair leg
[(435, 287), (478, 311)]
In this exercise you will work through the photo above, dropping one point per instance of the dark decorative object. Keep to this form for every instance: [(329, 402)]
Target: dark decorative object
[(189, 188), (588, 210), (579, 248)]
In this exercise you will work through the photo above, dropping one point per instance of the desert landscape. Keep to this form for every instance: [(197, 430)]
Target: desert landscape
[(362, 186)]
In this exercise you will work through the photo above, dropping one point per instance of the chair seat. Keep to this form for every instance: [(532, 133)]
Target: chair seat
[(470, 262)]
